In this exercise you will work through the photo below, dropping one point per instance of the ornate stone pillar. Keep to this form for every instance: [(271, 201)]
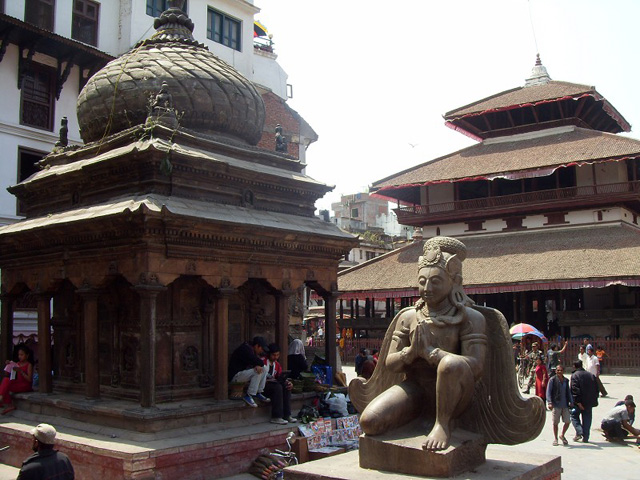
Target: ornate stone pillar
[(148, 294), (282, 324), (91, 356), (330, 300), (44, 343), (6, 326), (221, 348)]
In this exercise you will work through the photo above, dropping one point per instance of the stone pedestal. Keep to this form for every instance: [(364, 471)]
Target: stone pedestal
[(401, 451), (501, 464)]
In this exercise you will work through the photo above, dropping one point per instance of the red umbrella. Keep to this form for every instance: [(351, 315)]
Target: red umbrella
[(523, 328)]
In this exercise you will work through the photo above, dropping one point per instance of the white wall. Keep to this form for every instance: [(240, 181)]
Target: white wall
[(440, 193), (13, 135), (584, 175), (268, 73), (610, 172)]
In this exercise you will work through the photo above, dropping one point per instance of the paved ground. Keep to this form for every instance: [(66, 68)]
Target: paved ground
[(580, 461), (594, 461)]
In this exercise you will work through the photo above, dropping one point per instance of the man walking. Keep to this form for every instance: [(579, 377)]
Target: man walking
[(559, 401), (46, 463), (585, 396), (615, 424), (593, 366)]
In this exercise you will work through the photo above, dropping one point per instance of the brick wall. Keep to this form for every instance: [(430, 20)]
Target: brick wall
[(279, 113)]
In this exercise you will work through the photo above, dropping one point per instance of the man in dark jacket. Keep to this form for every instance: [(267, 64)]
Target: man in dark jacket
[(46, 463), (245, 365), (584, 389)]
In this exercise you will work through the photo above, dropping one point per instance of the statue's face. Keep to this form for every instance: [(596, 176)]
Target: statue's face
[(434, 285)]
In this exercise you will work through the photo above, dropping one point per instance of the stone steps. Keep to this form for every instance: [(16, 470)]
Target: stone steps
[(224, 444)]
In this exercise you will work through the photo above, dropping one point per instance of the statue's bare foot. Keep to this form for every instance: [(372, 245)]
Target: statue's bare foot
[(438, 439)]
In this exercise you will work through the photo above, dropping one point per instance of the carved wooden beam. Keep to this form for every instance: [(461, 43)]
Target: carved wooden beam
[(62, 75), (25, 62), (535, 114), (4, 42), (581, 104)]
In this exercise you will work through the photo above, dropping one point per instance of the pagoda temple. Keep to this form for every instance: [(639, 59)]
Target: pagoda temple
[(547, 202), (169, 237)]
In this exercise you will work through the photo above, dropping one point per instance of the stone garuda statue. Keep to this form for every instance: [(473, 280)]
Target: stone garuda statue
[(449, 360)]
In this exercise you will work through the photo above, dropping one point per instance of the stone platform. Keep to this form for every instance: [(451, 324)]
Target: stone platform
[(401, 451), (500, 465), (222, 440)]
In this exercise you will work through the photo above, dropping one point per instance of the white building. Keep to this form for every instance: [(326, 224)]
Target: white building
[(49, 48), (55, 45)]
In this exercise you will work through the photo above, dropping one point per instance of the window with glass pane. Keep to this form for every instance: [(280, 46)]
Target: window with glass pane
[(37, 97), (156, 7), (224, 29), (84, 24), (40, 13)]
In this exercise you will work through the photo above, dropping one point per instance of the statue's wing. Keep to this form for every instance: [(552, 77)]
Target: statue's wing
[(499, 412), (362, 391)]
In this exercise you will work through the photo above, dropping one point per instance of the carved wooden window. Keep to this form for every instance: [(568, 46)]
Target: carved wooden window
[(84, 23), (156, 7), (37, 97), (224, 29), (26, 167), (39, 13)]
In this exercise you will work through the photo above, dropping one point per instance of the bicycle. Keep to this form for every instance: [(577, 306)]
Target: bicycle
[(270, 466), (523, 372)]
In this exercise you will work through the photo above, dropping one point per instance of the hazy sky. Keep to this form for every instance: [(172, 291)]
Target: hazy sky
[(373, 77)]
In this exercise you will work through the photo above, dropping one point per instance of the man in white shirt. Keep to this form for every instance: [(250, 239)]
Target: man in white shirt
[(582, 356), (593, 366)]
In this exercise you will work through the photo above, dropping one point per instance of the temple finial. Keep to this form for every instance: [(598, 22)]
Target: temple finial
[(539, 75)]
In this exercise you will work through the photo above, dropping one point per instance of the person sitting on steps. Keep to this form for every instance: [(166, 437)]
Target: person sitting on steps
[(277, 388), (245, 365)]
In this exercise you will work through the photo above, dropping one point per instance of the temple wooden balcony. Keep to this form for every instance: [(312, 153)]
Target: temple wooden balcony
[(628, 316), (627, 193)]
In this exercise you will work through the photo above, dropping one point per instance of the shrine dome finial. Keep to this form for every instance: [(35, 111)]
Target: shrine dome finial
[(539, 75), (209, 95)]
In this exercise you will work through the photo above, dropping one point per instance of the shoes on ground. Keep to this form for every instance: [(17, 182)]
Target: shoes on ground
[(577, 438), (262, 398), (585, 440), (279, 421), (249, 401), (555, 443), (10, 408), (292, 419), (564, 441)]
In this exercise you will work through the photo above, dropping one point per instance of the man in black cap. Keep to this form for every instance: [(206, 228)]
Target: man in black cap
[(46, 463), (245, 365)]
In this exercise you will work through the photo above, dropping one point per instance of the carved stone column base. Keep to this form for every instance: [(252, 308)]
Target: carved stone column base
[(400, 451)]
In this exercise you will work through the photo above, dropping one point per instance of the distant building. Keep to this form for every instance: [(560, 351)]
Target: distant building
[(547, 203)]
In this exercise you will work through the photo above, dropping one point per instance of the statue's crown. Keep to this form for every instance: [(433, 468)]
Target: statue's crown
[(435, 247)]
